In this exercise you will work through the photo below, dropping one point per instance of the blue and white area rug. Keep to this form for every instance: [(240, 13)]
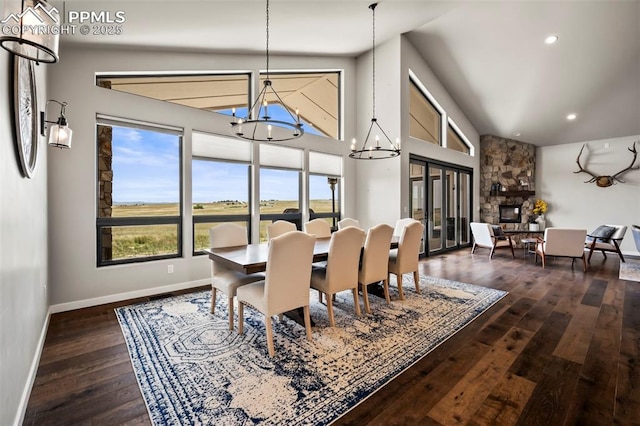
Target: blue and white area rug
[(193, 370)]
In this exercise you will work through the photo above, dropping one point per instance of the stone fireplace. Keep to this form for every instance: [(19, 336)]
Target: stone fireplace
[(507, 179)]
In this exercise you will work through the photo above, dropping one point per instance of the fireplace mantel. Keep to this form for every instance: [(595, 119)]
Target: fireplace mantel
[(512, 193)]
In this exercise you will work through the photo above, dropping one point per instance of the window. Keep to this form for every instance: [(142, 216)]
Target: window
[(324, 187), (425, 114), (211, 92), (220, 185), (280, 188), (315, 94), (139, 196), (456, 141)]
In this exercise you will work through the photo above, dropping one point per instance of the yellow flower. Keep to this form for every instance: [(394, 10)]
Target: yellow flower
[(540, 207)]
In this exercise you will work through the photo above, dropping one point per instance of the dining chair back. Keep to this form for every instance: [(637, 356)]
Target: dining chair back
[(279, 227), (318, 227), (341, 272), (347, 221), (400, 224), (222, 278), (404, 259), (287, 282), (375, 261)]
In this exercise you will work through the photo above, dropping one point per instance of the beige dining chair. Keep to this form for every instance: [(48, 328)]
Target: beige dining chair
[(341, 272), (287, 283), (318, 227), (222, 278), (279, 227), (375, 261), (347, 221), (400, 224), (404, 259)]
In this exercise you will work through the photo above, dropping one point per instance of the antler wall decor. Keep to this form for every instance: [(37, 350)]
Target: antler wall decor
[(605, 181)]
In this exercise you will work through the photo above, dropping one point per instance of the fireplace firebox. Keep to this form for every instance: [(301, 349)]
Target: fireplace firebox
[(510, 213)]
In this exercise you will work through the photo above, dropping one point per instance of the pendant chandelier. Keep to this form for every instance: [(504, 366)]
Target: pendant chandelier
[(259, 125), (32, 33), (373, 150)]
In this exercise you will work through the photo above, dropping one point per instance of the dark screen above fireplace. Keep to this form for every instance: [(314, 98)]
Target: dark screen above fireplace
[(510, 213)]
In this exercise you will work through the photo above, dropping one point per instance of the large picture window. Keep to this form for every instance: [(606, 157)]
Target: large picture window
[(220, 185), (139, 195)]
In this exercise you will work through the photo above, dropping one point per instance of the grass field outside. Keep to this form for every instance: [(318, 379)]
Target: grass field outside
[(153, 240)]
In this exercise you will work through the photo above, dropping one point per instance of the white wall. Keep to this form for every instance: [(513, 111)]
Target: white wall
[(412, 61), (23, 256), (76, 281), (383, 185), (573, 203)]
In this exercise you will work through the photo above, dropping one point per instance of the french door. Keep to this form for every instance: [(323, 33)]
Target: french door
[(441, 198)]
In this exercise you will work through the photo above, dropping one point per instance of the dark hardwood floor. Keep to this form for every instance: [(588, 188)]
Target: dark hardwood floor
[(561, 348)]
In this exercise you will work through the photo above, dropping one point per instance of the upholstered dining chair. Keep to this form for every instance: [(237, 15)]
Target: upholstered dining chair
[(347, 221), (404, 259), (279, 227), (562, 242), (400, 224), (222, 278), (375, 261), (341, 272), (318, 227), (287, 283), (483, 237), (606, 238)]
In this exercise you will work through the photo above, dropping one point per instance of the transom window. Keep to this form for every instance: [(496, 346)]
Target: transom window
[(315, 94), (211, 92), (456, 141), (425, 117)]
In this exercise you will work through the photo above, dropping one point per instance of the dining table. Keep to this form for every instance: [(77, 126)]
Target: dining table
[(252, 258)]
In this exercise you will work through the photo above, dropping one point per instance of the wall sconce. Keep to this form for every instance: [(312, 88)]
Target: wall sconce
[(59, 133), (33, 32)]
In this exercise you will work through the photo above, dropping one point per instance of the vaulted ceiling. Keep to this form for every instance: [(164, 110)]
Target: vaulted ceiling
[(489, 55)]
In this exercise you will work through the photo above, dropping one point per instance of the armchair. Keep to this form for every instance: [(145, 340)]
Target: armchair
[(483, 237), (562, 242), (606, 238), (635, 229)]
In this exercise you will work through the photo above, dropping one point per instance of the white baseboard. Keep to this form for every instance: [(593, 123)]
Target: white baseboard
[(35, 362), (86, 303)]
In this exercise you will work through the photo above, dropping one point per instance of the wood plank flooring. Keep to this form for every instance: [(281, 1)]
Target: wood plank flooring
[(561, 349)]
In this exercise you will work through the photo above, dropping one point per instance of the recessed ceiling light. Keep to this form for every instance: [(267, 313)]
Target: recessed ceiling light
[(571, 116), (551, 39), (516, 134)]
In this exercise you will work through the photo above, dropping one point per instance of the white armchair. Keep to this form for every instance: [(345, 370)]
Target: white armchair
[(635, 229), (606, 238), (483, 237), (562, 242)]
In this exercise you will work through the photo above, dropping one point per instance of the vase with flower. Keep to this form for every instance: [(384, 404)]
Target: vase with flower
[(539, 209)]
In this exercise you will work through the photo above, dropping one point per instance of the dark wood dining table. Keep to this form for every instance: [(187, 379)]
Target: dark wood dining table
[(252, 258)]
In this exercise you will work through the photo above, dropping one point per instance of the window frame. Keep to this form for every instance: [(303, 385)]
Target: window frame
[(326, 215), (111, 222), (220, 218), (295, 218)]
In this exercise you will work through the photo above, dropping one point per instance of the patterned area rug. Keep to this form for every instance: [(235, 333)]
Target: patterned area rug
[(630, 270), (193, 370)]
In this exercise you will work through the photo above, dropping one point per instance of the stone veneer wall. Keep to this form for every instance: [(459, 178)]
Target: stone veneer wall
[(512, 164)]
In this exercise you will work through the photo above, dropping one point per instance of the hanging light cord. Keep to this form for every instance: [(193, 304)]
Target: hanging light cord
[(267, 39), (373, 50)]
